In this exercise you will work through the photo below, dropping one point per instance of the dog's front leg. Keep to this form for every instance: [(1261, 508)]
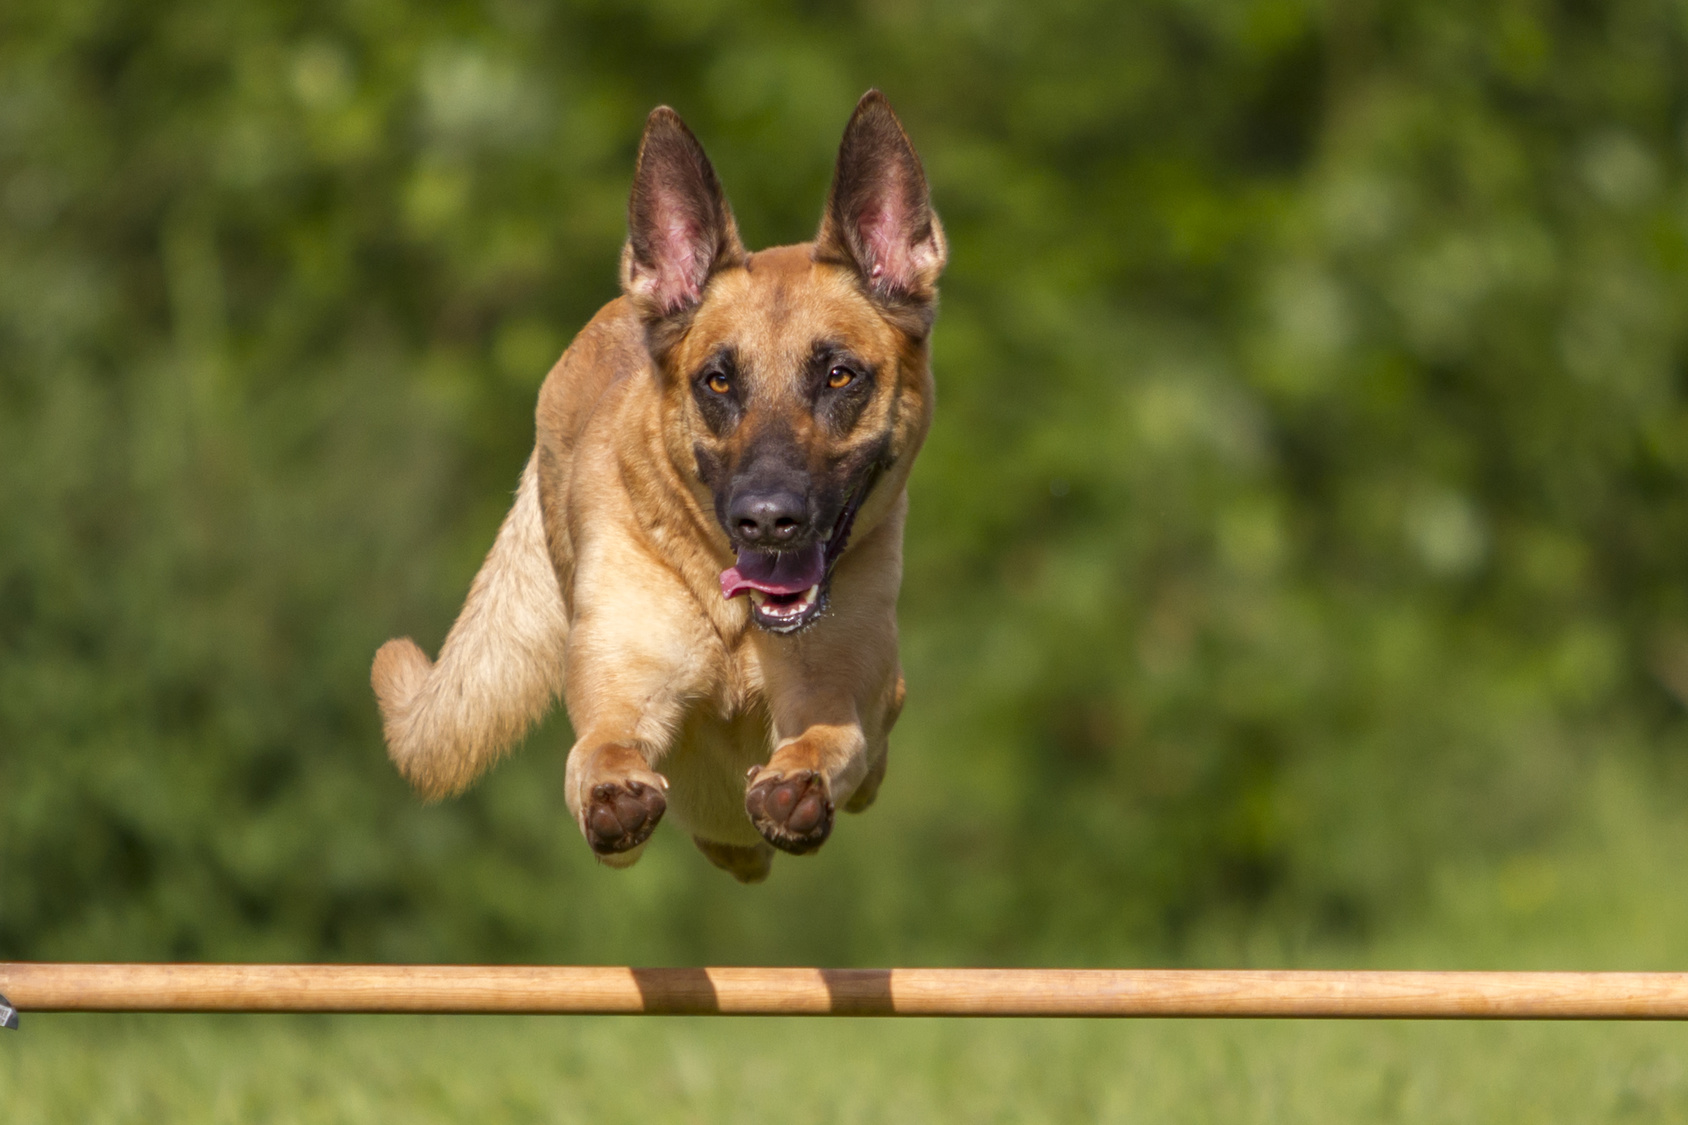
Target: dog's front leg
[(831, 697), (615, 796), (823, 758), (628, 675)]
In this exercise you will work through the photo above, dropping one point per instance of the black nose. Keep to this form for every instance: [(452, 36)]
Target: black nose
[(768, 518)]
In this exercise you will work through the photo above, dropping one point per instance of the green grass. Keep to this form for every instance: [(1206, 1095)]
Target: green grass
[(1607, 898), (92, 1070)]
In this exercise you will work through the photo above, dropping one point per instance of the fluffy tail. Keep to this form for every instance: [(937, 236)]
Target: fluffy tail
[(499, 669)]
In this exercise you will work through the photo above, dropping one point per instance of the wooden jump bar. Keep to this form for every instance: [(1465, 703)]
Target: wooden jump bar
[(593, 990)]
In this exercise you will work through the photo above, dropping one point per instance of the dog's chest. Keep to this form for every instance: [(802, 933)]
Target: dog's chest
[(706, 765)]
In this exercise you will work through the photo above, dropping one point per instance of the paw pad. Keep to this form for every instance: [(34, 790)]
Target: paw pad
[(793, 812), (622, 815)]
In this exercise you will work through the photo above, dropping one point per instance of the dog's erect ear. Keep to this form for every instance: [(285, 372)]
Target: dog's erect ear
[(879, 216), (679, 227)]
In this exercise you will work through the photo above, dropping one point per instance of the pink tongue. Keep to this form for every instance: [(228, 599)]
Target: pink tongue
[(774, 572)]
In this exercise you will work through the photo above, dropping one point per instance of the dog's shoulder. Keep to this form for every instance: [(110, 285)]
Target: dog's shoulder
[(610, 348)]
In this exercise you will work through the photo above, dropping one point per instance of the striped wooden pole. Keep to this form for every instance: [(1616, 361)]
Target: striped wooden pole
[(606, 990)]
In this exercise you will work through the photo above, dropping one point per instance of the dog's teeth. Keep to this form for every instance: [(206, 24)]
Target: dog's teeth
[(787, 609)]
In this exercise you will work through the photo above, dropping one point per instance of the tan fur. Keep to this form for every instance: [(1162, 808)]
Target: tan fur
[(604, 580), (497, 672)]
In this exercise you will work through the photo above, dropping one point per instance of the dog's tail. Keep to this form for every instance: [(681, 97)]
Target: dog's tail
[(498, 671)]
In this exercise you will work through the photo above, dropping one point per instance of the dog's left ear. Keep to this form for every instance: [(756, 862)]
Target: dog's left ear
[(879, 218), (680, 229)]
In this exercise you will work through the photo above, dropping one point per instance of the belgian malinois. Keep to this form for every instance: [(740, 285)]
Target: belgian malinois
[(706, 545)]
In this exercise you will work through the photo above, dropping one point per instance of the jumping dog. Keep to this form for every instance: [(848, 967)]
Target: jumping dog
[(706, 544)]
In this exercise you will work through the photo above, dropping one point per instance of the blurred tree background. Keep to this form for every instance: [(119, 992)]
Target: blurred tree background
[(1304, 519)]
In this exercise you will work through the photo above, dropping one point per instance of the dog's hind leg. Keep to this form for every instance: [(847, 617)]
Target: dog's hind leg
[(498, 671)]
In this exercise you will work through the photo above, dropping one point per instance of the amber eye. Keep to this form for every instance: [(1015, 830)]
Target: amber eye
[(839, 377), (718, 383)]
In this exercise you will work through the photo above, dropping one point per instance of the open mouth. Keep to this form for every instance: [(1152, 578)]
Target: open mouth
[(788, 589)]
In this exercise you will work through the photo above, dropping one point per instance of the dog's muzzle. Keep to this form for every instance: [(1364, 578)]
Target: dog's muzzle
[(788, 589)]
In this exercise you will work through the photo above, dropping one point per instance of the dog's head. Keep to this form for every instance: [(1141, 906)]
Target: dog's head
[(795, 380)]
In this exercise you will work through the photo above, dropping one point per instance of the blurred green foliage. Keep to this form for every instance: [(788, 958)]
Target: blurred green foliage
[(1305, 511)]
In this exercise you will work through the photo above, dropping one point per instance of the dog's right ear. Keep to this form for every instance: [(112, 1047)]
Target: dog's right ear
[(679, 227)]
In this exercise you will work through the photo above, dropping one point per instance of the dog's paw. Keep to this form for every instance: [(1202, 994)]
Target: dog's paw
[(622, 815), (793, 811)]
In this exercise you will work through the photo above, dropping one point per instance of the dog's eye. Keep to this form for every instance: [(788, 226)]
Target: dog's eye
[(718, 383), (840, 377)]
